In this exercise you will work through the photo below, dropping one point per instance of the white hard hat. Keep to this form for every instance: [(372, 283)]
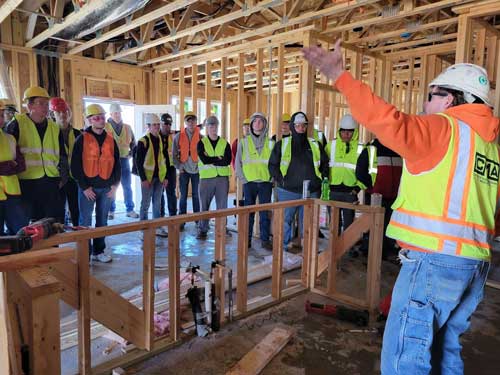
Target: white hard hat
[(471, 79), (151, 118), (348, 123), (115, 107)]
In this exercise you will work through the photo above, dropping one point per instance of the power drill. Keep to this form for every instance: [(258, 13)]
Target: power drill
[(360, 318)]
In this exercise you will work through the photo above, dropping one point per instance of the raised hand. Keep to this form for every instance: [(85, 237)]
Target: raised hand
[(331, 64)]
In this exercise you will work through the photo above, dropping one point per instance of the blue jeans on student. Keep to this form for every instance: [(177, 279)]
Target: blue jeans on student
[(13, 215), (432, 302), (154, 193), (101, 203), (184, 179), (170, 193), (285, 195), (263, 190), (126, 181)]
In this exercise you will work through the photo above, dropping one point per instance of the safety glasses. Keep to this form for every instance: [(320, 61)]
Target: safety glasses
[(439, 93), (97, 118)]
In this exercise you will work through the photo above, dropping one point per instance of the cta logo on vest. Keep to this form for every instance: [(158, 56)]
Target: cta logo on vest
[(486, 168)]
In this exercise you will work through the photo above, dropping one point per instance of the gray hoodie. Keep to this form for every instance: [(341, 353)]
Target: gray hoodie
[(258, 141)]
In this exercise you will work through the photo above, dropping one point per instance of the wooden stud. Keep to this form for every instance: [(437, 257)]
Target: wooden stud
[(220, 255), (308, 92), (194, 89), (7, 8), (169, 87), (491, 56), (241, 93), (242, 263), (174, 281), (496, 103), (333, 245), (279, 94), (480, 46), (84, 353), (277, 267), (310, 240), (313, 247), (374, 261), (182, 94), (35, 258), (225, 126), (409, 87), (259, 73), (208, 85), (148, 280), (464, 39), (4, 334)]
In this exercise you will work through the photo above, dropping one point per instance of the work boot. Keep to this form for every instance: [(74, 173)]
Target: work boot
[(133, 214), (111, 215), (161, 232), (201, 235), (268, 245)]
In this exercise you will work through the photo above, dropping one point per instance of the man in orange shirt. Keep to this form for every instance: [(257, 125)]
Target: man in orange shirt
[(444, 215)]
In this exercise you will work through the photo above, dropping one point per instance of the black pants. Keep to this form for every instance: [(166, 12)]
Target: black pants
[(69, 194), (170, 193), (41, 198)]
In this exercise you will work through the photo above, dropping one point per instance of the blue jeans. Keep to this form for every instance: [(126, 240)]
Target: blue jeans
[(12, 214), (154, 193), (183, 187), (101, 203), (126, 181), (432, 302), (170, 193), (263, 190), (285, 195)]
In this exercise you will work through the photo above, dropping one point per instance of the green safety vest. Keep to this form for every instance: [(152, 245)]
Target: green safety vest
[(123, 140), (372, 164), (451, 208), (210, 170), (342, 165), (254, 165), (42, 157), (8, 184), (286, 155), (150, 162)]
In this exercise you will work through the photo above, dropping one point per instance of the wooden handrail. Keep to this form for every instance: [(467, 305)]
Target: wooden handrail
[(36, 258)]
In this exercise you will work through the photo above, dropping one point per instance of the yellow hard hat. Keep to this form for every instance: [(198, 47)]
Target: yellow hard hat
[(35, 91), (189, 114), (246, 122), (94, 109), (285, 117)]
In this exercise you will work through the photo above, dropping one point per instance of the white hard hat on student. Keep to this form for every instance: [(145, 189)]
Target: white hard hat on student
[(347, 122)]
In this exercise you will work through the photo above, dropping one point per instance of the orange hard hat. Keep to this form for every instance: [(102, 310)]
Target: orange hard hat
[(58, 105)]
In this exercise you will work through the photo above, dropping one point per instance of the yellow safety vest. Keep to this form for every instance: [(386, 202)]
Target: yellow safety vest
[(372, 164), (451, 208), (170, 144), (123, 140), (42, 157), (254, 165), (9, 185), (342, 165), (210, 170), (150, 162), (286, 155)]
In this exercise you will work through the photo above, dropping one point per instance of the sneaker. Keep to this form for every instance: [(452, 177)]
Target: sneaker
[(111, 215), (289, 246), (268, 245), (161, 232), (201, 236), (102, 258), (228, 233), (133, 214)]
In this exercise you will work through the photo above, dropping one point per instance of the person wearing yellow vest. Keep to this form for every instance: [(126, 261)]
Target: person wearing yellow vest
[(444, 215), (95, 165), (252, 158), (185, 156), (214, 159), (343, 153), (319, 136), (61, 114), (42, 145), (9, 110), (167, 137), (12, 213), (294, 160), (124, 137), (285, 127), (152, 169)]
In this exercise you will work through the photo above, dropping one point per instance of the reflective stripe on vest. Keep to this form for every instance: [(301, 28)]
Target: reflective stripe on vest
[(41, 156), (98, 161), (451, 208), (210, 170), (286, 155), (9, 185), (255, 165), (343, 172), (149, 161), (123, 140)]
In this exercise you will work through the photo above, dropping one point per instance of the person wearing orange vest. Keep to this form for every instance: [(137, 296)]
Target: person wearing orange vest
[(42, 145), (167, 137), (12, 162), (185, 156), (95, 165), (444, 215), (61, 114), (124, 137)]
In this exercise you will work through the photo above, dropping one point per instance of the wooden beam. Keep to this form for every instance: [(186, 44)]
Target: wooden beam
[(4, 329), (277, 267), (409, 88), (242, 261), (182, 95), (195, 29), (464, 40), (259, 94), (146, 34), (35, 258), (220, 255), (151, 16), (30, 27), (225, 125), (431, 50), (194, 89), (57, 8), (490, 29), (208, 88), (307, 96), (148, 290), (174, 281), (84, 353), (413, 43), (280, 86), (8, 7)]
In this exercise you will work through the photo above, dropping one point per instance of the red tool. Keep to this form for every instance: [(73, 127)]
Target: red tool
[(360, 318)]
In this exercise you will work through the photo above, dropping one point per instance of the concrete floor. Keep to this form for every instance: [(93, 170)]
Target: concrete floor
[(321, 344)]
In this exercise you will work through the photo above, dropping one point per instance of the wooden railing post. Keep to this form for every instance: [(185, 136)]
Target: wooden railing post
[(309, 263), (220, 255), (277, 280), (333, 244), (173, 278), (374, 261), (242, 268), (84, 354), (148, 278)]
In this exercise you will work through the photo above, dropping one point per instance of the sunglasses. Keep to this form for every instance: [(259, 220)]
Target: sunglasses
[(304, 124), (441, 94), (97, 117)]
